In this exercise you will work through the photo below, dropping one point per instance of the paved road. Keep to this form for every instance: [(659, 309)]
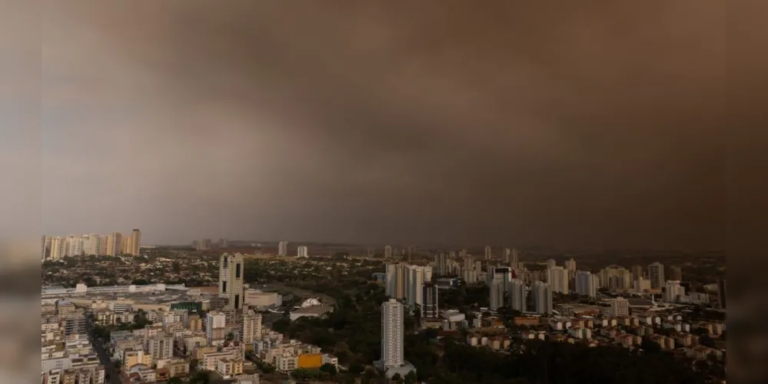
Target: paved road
[(98, 346)]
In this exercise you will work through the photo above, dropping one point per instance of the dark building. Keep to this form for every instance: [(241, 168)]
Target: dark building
[(429, 307)]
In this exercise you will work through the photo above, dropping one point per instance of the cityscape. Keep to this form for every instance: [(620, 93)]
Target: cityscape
[(274, 312), (417, 192)]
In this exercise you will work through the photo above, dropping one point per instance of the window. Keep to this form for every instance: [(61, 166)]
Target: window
[(224, 287), (237, 301), (237, 270)]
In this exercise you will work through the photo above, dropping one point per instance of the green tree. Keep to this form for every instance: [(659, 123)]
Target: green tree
[(174, 380), (356, 367), (201, 377), (329, 368)]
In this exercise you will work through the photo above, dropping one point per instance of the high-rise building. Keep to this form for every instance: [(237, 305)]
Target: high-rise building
[(91, 244), (215, 323), (57, 248), (223, 243), (570, 265), (637, 272), (282, 248), (441, 262), (135, 242), (429, 306), (615, 277), (618, 307), (514, 261), (391, 282), (542, 298), (551, 263), (387, 251), (557, 277), (74, 245), (302, 251), (414, 284), (656, 275), (518, 295), (506, 256), (392, 335), (160, 346), (203, 245), (586, 283), (672, 291), (250, 329), (488, 252), (231, 279), (496, 291), (675, 273), (126, 247)]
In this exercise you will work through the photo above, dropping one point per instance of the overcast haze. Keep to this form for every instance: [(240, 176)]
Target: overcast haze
[(589, 123)]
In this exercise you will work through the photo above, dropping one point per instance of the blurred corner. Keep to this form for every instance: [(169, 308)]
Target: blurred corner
[(747, 227), (20, 191)]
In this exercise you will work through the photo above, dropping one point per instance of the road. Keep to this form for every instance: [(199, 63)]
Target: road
[(98, 346)]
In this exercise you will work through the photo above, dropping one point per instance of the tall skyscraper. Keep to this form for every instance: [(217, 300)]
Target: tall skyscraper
[(135, 242), (302, 251), (429, 306), (542, 298), (551, 263), (231, 279), (506, 256), (413, 291), (496, 291), (518, 295), (223, 243), (656, 275), (391, 283), (586, 283), (488, 252), (387, 251), (637, 272), (392, 335), (441, 261), (557, 277), (57, 248), (282, 248)]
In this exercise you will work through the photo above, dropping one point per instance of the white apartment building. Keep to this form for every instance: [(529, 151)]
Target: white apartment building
[(673, 291), (557, 277), (392, 336)]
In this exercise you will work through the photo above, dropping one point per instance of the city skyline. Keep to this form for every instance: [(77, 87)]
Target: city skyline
[(205, 126)]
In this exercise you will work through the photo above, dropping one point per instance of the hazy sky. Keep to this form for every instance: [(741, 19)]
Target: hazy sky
[(563, 123)]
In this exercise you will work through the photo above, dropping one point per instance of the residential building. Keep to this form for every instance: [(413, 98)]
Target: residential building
[(392, 333)]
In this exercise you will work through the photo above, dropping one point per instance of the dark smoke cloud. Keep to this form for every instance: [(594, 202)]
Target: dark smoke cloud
[(590, 123)]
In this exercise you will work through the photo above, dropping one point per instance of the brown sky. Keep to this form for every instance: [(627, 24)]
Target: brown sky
[(589, 123)]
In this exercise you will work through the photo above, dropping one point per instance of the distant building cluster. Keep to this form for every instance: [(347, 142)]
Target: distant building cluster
[(115, 244), (156, 330)]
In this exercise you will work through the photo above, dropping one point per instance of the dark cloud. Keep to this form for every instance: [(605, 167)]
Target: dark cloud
[(507, 122)]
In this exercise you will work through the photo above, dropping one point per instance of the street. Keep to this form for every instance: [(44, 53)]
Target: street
[(98, 346)]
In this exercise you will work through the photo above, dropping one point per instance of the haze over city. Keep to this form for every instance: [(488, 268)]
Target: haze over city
[(512, 123)]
